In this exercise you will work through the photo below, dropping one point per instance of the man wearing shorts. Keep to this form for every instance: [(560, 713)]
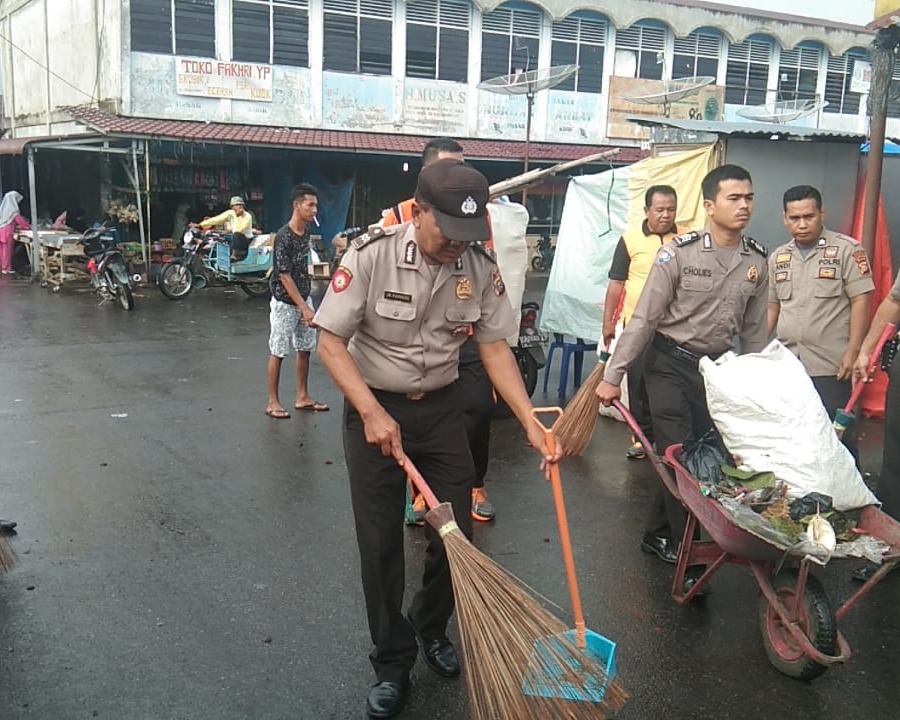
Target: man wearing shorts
[(291, 308)]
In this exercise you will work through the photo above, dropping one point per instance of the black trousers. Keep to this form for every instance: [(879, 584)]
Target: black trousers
[(889, 482), (679, 412), (435, 440), (835, 394), (479, 406), (638, 399)]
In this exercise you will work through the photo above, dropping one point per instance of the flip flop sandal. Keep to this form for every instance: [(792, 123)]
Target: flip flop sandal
[(313, 407), (278, 414)]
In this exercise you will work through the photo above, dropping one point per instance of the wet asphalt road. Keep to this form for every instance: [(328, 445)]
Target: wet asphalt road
[(183, 556)]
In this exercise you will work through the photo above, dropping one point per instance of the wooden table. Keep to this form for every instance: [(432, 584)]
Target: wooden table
[(57, 250)]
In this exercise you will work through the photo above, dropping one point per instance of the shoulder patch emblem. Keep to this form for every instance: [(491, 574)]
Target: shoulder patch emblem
[(753, 245), (663, 256), (686, 239), (862, 262), (340, 281), (497, 282)]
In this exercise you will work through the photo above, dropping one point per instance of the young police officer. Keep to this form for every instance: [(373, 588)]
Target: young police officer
[(398, 309), (704, 289)]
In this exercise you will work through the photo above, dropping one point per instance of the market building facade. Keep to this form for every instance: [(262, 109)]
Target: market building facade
[(249, 96)]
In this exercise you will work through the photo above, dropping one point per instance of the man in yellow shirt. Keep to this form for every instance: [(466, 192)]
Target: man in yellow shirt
[(634, 256), (239, 222)]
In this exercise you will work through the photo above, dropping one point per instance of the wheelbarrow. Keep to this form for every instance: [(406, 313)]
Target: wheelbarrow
[(798, 622)]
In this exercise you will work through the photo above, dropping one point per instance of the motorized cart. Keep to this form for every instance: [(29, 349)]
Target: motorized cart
[(797, 619)]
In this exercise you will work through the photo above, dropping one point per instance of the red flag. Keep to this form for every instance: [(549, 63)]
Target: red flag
[(874, 395)]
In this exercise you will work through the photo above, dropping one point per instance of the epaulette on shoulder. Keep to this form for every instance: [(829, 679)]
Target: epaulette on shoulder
[(485, 250), (686, 239), (753, 245), (847, 238), (375, 232)]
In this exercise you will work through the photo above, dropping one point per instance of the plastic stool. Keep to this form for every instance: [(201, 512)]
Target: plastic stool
[(569, 348)]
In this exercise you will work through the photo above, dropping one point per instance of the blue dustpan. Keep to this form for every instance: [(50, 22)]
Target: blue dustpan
[(577, 664)]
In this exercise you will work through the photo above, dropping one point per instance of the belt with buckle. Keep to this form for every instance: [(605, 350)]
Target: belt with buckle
[(416, 395), (672, 349)]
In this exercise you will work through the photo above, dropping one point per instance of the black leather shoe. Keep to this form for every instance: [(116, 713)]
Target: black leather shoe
[(386, 699), (7, 526), (662, 547), (439, 654)]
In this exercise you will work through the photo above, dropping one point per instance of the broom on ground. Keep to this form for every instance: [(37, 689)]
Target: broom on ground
[(574, 431), (504, 634), (7, 556)]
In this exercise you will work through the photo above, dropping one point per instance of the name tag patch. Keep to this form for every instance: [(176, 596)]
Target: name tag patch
[(398, 296), (781, 277)]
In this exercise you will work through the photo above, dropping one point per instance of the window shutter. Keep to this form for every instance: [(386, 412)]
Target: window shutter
[(151, 26)]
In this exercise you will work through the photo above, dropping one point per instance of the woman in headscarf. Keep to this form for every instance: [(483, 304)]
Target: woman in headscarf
[(10, 221)]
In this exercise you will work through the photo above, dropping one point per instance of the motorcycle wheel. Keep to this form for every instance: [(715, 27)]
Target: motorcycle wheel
[(175, 280), (123, 293), (258, 289), (528, 368), (537, 264)]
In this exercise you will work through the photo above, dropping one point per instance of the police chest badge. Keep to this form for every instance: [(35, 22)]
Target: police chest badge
[(497, 282), (753, 273), (340, 281), (464, 289)]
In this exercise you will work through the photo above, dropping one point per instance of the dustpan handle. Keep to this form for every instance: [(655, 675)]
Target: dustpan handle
[(563, 522)]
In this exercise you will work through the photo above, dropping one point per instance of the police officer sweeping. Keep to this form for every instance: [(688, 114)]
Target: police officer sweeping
[(396, 313), (704, 289)]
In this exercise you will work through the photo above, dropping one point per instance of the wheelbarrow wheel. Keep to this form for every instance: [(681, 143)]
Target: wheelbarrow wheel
[(815, 617)]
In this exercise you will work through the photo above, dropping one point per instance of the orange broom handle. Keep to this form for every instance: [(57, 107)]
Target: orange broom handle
[(415, 477), (565, 539)]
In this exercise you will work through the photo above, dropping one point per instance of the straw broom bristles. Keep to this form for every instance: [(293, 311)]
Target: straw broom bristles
[(574, 431), (499, 625), (7, 556)]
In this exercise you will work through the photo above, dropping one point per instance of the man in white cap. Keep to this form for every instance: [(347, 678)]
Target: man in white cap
[(238, 221)]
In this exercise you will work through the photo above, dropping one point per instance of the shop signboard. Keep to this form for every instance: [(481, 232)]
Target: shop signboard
[(502, 116), (203, 77), (573, 117), (707, 103), (364, 102), (861, 80), (435, 108)]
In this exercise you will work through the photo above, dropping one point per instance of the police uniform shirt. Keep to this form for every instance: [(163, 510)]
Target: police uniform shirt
[(814, 294), (406, 323), (699, 301)]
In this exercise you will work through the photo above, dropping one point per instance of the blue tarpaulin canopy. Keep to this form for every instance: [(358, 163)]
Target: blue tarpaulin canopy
[(890, 148)]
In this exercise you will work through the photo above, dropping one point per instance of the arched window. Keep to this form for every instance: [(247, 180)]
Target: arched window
[(271, 31), (642, 46), (747, 72), (580, 40), (798, 73), (837, 83), (182, 27), (697, 54), (437, 39), (510, 41)]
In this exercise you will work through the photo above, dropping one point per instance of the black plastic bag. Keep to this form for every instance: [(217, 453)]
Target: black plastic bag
[(705, 457), (809, 504)]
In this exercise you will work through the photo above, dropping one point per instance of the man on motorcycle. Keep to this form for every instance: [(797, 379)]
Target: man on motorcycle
[(237, 220)]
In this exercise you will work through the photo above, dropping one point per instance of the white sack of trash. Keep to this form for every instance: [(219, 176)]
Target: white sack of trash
[(771, 418)]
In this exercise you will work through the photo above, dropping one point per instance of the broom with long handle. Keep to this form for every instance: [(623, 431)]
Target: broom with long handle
[(575, 428), (504, 631), (844, 417)]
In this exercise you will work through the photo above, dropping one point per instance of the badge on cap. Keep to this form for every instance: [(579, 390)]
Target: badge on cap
[(753, 273), (469, 206), (340, 281), (497, 282), (464, 289)]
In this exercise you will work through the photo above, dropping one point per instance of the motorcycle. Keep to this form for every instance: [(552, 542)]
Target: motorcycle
[(545, 252), (196, 269), (107, 267), (528, 352)]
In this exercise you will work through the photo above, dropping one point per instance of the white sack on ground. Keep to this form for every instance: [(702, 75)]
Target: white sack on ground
[(771, 418)]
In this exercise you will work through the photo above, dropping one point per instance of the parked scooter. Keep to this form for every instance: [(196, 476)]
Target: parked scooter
[(545, 252), (528, 352), (107, 267)]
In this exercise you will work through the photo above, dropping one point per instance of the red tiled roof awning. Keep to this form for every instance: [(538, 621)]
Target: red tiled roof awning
[(358, 142)]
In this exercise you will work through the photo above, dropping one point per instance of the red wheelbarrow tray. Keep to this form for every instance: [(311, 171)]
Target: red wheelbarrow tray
[(733, 544)]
